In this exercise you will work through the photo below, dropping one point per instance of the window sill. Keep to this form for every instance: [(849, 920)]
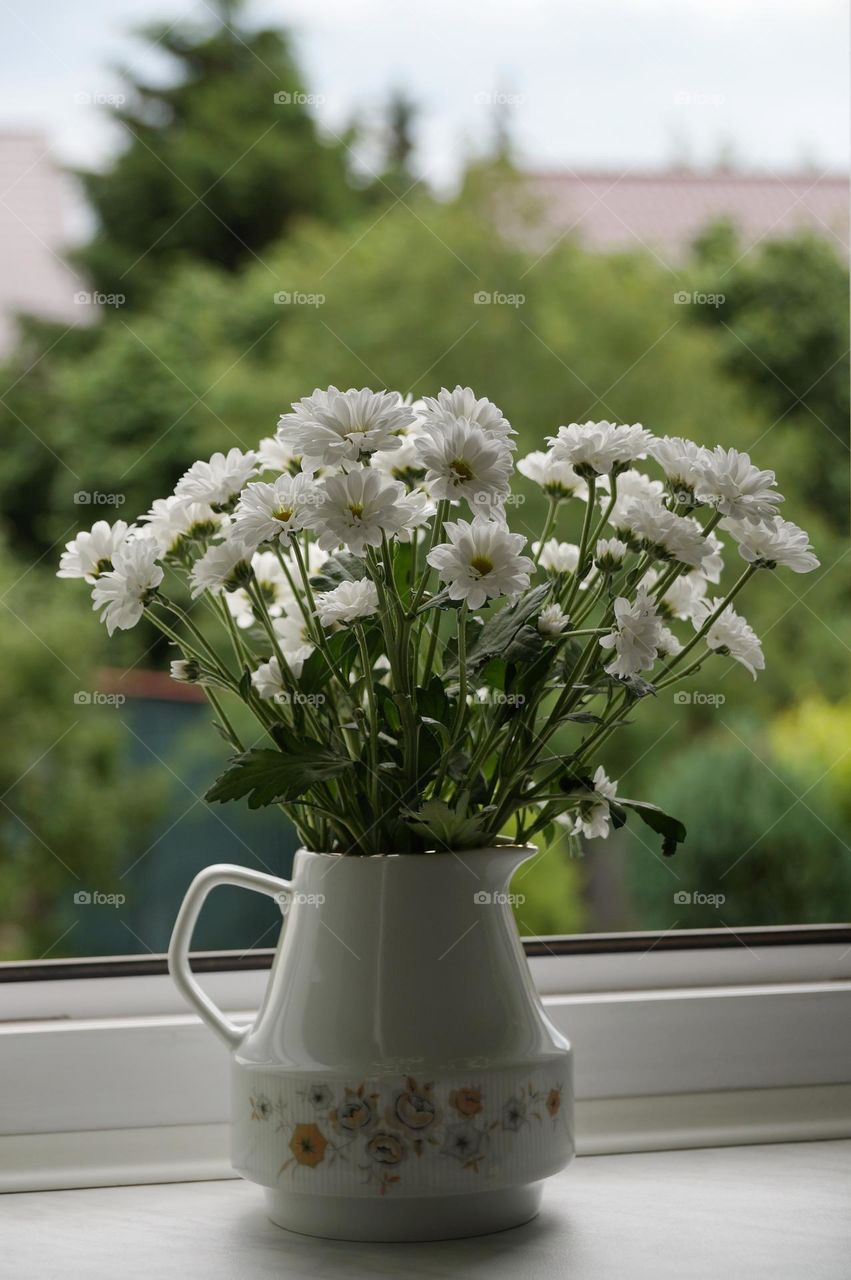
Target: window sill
[(755, 1211)]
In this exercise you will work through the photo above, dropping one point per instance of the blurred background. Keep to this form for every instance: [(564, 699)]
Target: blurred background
[(588, 210)]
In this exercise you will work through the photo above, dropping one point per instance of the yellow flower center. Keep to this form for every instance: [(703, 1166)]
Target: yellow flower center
[(283, 514), (482, 565), (461, 468), (356, 509)]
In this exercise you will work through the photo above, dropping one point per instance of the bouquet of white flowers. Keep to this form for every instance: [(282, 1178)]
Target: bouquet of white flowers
[(420, 678)]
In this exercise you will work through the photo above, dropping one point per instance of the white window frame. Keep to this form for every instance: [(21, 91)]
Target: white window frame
[(697, 1038)]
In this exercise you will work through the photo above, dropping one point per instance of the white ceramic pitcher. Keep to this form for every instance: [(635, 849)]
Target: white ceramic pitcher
[(401, 1080)]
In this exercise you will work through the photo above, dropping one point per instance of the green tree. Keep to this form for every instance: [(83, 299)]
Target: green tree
[(219, 161), (784, 329), (70, 810), (749, 839)]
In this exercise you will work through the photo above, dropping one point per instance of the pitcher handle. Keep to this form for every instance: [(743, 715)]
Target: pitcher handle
[(184, 925)]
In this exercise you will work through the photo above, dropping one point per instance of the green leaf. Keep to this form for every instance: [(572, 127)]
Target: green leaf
[(432, 702), (458, 765), (574, 780), (636, 686), (449, 828), (493, 673), (388, 708), (441, 600), (526, 643), (506, 634), (272, 777), (670, 829), (342, 567)]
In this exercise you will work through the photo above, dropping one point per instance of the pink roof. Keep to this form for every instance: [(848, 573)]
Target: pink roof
[(34, 276), (664, 211)]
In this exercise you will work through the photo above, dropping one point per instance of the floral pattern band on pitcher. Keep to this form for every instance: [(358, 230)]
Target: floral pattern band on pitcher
[(402, 1134)]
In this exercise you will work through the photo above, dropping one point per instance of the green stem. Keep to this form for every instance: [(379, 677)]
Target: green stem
[(373, 715), (713, 618), (547, 529), (443, 508), (583, 545)]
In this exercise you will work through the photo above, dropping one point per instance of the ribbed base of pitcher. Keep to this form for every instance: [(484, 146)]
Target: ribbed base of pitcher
[(410, 1219)]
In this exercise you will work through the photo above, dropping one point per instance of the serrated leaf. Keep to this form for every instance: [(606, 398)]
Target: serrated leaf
[(450, 828), (492, 674), (388, 708), (574, 780), (457, 765), (526, 643), (342, 567), (636, 686), (671, 830), (272, 777), (432, 702), (502, 631), (441, 600)]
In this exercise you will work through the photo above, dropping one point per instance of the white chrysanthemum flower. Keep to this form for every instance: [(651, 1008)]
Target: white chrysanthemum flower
[(598, 448), (668, 644), (294, 638), (223, 567), (90, 554), (557, 478), (269, 511), (403, 464), (650, 525), (218, 481), (775, 542), (268, 681), (463, 461), (419, 510), (123, 592), (732, 485), (592, 818), (682, 461), (731, 635), (481, 561), (175, 521), (557, 557), (356, 508), (636, 637), (292, 631), (275, 455), (712, 564), (631, 484), (684, 596), (609, 554), (552, 620), (330, 427), (271, 581), (347, 603), (449, 406), (185, 670), (683, 540)]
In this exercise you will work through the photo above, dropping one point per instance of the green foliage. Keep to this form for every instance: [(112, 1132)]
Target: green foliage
[(220, 159), (784, 331), (811, 738), (672, 831), (273, 777), (777, 859), (71, 809), (549, 888), (449, 828)]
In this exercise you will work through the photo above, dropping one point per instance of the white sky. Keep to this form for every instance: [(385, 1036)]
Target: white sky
[(596, 83)]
